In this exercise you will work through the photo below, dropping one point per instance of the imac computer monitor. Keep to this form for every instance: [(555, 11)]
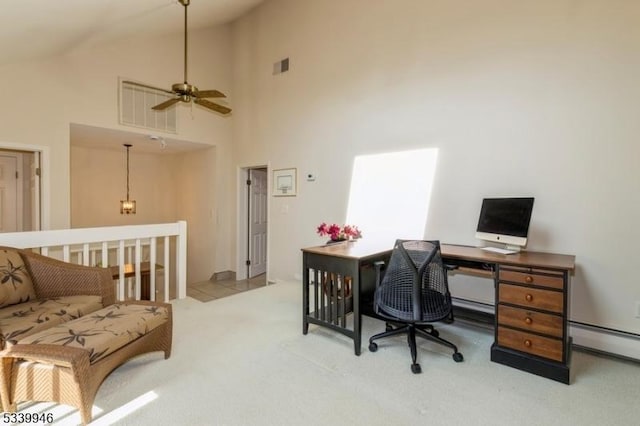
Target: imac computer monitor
[(506, 221)]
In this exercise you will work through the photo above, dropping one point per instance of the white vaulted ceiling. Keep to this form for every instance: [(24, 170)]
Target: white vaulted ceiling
[(31, 29)]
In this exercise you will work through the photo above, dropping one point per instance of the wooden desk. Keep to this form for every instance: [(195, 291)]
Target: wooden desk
[(145, 276), (531, 298), (338, 274), (531, 322)]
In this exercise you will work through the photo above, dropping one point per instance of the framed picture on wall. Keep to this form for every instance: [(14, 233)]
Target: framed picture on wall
[(284, 183)]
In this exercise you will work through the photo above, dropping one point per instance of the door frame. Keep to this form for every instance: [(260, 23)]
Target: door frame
[(45, 177), (17, 188), (242, 225)]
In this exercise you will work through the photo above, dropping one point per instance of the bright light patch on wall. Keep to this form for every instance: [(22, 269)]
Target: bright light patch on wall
[(390, 194)]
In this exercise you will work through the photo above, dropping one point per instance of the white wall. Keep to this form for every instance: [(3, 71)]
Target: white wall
[(166, 187), (45, 97), (98, 183), (521, 98), (207, 249)]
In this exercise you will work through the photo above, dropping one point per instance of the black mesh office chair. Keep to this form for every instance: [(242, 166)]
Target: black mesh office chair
[(411, 292)]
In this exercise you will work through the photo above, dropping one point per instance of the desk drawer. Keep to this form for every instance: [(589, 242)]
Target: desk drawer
[(533, 277), (530, 343), (530, 320), (531, 297)]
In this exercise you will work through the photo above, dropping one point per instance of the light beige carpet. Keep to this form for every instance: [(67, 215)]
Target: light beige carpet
[(243, 360)]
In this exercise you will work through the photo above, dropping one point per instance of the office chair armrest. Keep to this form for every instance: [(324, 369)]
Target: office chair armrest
[(380, 270)]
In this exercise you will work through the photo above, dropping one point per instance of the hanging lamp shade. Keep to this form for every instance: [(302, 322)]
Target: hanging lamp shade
[(127, 206)]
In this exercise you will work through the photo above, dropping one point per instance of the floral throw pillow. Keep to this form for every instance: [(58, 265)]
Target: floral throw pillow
[(15, 281)]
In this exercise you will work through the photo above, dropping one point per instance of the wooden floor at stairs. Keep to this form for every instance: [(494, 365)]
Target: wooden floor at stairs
[(206, 291)]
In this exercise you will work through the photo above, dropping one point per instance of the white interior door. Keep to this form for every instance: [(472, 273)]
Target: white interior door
[(257, 222), (10, 208), (34, 189)]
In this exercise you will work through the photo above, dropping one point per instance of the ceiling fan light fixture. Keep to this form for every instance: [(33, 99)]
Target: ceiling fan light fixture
[(184, 88), (186, 92)]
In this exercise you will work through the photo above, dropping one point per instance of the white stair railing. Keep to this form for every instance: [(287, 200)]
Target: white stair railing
[(115, 246)]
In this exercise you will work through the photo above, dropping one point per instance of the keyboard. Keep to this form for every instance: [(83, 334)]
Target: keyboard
[(499, 250)]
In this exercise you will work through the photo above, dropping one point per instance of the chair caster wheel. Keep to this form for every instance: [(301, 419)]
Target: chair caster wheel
[(388, 327), (457, 357), (416, 369), (435, 333), (373, 347)]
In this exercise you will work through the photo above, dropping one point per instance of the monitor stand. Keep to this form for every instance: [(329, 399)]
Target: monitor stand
[(509, 249)]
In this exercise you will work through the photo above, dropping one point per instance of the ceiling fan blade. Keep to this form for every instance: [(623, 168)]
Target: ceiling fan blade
[(209, 94), (146, 86), (166, 104), (187, 92), (215, 107)]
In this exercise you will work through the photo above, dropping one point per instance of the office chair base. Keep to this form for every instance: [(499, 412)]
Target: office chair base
[(425, 331)]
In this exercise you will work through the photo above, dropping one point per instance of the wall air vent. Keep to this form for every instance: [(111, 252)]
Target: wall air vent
[(135, 108), (281, 66)]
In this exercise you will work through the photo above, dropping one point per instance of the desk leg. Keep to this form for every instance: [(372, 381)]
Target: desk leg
[(305, 296), (357, 317)]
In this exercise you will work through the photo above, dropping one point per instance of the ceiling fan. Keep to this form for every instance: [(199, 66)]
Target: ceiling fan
[(186, 92)]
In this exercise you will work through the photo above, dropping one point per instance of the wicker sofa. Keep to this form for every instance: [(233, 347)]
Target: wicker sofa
[(62, 332), (39, 292), (68, 363)]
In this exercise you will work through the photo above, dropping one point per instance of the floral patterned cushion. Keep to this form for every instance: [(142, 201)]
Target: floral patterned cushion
[(20, 321), (15, 281), (104, 331)]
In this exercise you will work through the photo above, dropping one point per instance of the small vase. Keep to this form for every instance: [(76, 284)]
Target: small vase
[(336, 241)]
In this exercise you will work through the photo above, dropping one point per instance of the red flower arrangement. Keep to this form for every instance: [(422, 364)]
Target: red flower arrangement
[(337, 233)]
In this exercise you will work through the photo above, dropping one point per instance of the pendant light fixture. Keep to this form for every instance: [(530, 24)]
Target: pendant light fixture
[(127, 206)]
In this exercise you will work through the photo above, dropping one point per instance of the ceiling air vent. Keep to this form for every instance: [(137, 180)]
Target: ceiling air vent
[(135, 108)]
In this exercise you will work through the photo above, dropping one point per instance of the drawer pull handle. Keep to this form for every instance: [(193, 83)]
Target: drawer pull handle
[(528, 320), (527, 343), (528, 279), (528, 298)]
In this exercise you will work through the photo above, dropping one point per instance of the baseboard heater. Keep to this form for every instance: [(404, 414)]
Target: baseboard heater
[(605, 340), (587, 337)]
